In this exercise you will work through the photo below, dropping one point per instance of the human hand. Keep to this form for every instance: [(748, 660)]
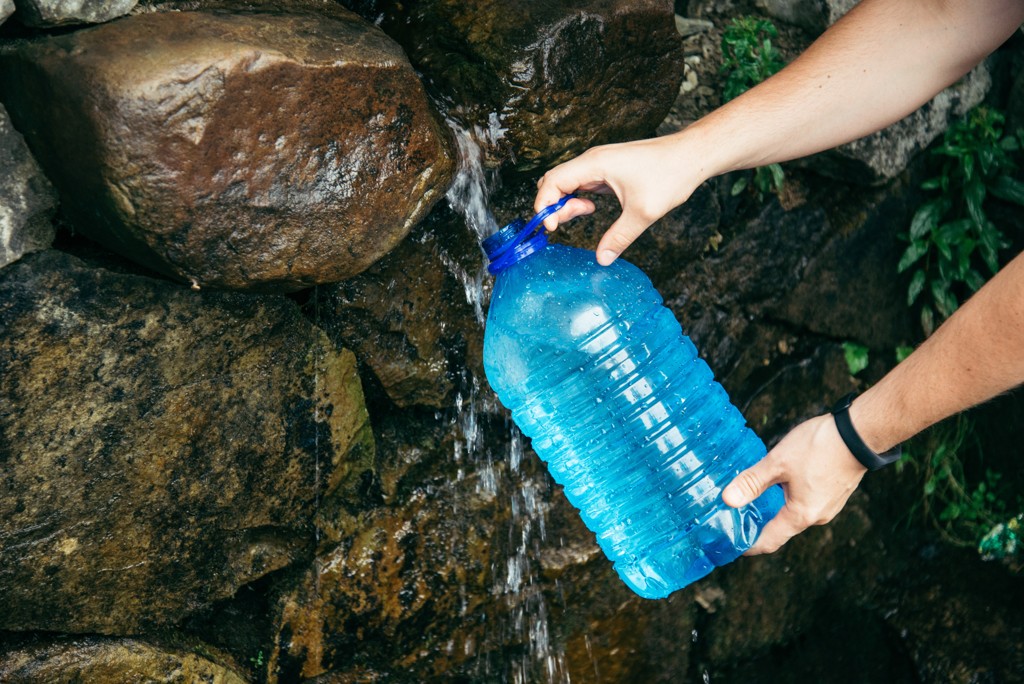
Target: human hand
[(817, 473), (649, 178)]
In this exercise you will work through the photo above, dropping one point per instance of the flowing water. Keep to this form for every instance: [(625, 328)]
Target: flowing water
[(516, 583)]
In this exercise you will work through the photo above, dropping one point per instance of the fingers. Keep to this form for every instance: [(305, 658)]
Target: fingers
[(577, 206), (621, 235), (558, 182), (783, 527), (751, 483)]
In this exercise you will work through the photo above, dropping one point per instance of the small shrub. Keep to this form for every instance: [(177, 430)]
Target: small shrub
[(951, 238), (748, 57)]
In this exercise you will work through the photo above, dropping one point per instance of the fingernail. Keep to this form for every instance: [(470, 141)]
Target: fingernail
[(606, 257)]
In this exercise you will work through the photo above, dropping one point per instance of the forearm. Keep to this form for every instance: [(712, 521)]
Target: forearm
[(876, 65), (975, 355)]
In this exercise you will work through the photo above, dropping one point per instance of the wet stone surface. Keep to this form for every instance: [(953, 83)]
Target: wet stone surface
[(159, 448), (247, 151), (542, 81)]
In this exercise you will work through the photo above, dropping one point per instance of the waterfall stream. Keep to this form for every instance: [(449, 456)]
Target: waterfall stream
[(516, 583)]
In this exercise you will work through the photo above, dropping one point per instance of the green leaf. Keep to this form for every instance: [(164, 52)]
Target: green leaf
[(989, 256), (927, 320), (1008, 189), (944, 300), (856, 357), (778, 175), (944, 249), (913, 253), (955, 231), (931, 184), (974, 280), (739, 186), (974, 195), (915, 287), (925, 219), (929, 487), (946, 303), (967, 163), (902, 352)]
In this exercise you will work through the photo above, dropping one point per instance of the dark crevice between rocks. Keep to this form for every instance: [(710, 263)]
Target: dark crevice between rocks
[(243, 625), (844, 646)]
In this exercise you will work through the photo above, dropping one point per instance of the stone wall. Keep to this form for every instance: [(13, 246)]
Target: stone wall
[(244, 429)]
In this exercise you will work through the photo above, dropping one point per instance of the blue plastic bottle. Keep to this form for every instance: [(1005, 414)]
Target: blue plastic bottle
[(616, 400)]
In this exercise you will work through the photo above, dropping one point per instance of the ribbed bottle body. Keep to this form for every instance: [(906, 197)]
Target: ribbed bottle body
[(629, 419)]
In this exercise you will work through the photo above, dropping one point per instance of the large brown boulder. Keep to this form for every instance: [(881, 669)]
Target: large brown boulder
[(542, 81), (249, 151), (159, 448)]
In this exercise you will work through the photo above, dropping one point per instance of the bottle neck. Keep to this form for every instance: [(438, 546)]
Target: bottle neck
[(519, 239), (512, 244)]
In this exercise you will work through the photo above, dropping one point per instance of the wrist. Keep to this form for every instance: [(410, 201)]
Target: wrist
[(864, 452)]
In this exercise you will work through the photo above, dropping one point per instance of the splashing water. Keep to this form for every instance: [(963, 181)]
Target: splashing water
[(516, 582)]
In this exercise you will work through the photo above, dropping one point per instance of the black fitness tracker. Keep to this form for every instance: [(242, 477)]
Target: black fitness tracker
[(861, 451)]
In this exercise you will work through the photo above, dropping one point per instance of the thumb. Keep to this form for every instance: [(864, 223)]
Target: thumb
[(620, 235), (750, 484)]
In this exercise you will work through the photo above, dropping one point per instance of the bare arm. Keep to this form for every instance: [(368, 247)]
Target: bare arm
[(975, 355), (876, 65), (880, 62)]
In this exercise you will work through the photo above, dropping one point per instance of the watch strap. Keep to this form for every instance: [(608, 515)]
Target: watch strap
[(861, 451)]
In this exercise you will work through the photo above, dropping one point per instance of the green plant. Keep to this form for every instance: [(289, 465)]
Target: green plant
[(951, 237), (856, 357), (964, 514), (749, 57)]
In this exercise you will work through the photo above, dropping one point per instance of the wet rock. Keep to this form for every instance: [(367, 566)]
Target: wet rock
[(609, 633), (384, 588), (813, 15), (976, 605), (6, 9), (850, 289), (114, 661), (160, 448), (883, 155), (249, 151), (542, 81), (27, 200), (414, 583), (408, 317), (50, 13)]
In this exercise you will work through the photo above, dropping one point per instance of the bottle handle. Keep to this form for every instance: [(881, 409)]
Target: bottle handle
[(526, 233)]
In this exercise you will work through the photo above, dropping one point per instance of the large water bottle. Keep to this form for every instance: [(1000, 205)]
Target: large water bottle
[(616, 400)]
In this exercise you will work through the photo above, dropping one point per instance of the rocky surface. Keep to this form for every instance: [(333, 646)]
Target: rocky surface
[(197, 470), (27, 200), (116, 661), (813, 15), (53, 13), (6, 9), (159, 448), (248, 151), (408, 318), (542, 81)]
